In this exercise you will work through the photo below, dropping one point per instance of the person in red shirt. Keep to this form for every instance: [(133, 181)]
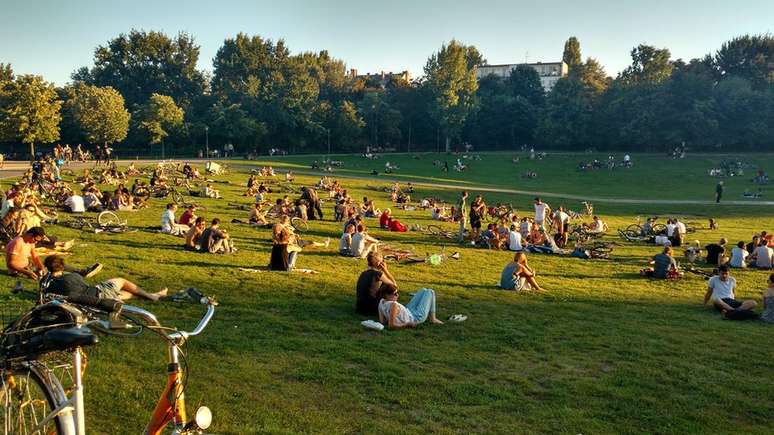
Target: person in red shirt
[(189, 216)]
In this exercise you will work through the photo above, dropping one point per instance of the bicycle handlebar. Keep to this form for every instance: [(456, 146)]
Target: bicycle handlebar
[(202, 323)]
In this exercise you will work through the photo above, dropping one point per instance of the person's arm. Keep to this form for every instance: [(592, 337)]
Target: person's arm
[(387, 277), (707, 295), (36, 260)]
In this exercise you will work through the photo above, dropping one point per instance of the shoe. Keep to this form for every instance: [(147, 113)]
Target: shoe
[(68, 245), (455, 256), (93, 270)]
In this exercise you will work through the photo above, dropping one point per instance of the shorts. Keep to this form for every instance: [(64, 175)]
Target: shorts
[(475, 222), (733, 303), (110, 289)]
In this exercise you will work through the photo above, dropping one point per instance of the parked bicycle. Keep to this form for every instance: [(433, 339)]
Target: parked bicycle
[(33, 397)]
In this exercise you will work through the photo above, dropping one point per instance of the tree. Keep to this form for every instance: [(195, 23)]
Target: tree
[(566, 118), (139, 64), (748, 57), (650, 65), (451, 77), (99, 113), (593, 77), (158, 116), (6, 73), (30, 111), (572, 54)]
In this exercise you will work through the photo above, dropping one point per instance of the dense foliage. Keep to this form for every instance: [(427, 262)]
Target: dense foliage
[(260, 95)]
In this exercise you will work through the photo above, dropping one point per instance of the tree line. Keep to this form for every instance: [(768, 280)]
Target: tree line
[(145, 93)]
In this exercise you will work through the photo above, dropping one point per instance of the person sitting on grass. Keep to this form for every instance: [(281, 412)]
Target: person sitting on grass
[(345, 243), (664, 266), (768, 302), (597, 226), (763, 256), (362, 243), (193, 235), (515, 271), (215, 240), (514, 239), (256, 216), (720, 290), (371, 283), (489, 237), (739, 256), (392, 224), (21, 258), (71, 284), (189, 216), (209, 192), (397, 316), (716, 253), (168, 223), (283, 253)]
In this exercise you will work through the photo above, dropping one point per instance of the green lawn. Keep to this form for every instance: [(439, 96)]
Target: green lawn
[(602, 351), (652, 177)]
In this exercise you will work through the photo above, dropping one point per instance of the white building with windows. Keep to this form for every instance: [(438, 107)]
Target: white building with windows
[(549, 73)]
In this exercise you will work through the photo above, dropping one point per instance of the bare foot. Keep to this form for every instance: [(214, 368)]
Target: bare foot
[(436, 321), (159, 294)]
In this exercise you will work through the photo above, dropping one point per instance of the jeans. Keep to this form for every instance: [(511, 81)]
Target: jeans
[(292, 256), (422, 305)]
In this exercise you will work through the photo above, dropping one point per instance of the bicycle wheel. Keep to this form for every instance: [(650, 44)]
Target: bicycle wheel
[(177, 197), (299, 224), (659, 229), (108, 219), (28, 394), (634, 228), (434, 229)]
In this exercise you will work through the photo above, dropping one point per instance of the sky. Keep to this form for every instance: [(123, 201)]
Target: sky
[(55, 37)]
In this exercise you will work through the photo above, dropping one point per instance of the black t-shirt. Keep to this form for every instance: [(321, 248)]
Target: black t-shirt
[(713, 253), (367, 290), (71, 284)]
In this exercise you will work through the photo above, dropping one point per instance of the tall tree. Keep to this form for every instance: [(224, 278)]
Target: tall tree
[(593, 77), (451, 77), (30, 111), (748, 57), (157, 117), (139, 64), (572, 54), (6, 72), (650, 65), (99, 113)]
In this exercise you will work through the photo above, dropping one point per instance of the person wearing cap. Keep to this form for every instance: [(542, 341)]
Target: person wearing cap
[(716, 252), (21, 258)]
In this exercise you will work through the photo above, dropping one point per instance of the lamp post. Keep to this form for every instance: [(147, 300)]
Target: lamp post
[(207, 142), (328, 130)]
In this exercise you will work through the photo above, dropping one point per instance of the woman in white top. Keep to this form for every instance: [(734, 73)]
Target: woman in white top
[(397, 316)]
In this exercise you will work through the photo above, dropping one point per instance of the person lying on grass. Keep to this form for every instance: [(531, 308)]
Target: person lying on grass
[(397, 316), (515, 271), (388, 223), (370, 284), (720, 290), (664, 266), (21, 258), (71, 284)]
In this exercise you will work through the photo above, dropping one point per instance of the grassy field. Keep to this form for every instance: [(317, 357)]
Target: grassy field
[(651, 177), (602, 351)]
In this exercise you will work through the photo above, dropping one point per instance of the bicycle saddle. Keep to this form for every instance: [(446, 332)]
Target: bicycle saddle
[(68, 338)]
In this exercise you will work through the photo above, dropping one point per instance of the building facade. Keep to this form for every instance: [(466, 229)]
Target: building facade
[(382, 77), (549, 72)]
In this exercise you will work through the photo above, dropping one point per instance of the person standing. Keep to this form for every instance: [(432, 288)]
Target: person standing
[(542, 210), (462, 215), (718, 191)]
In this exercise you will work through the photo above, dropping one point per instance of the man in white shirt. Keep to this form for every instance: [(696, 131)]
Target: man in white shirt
[(362, 243), (168, 224), (542, 210), (670, 227), (720, 289), (680, 227), (74, 203), (598, 226), (514, 239), (763, 255)]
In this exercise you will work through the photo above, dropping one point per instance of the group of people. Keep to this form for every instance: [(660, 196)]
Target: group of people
[(199, 235)]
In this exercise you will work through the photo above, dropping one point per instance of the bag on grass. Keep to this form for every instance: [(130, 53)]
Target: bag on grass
[(580, 253)]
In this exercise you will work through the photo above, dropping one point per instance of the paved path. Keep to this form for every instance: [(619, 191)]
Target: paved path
[(475, 188)]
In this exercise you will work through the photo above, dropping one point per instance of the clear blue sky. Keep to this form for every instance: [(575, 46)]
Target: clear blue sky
[(55, 37)]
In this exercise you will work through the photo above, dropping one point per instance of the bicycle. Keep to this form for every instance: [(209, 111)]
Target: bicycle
[(34, 399)]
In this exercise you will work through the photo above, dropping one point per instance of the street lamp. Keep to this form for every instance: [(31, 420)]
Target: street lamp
[(207, 142), (328, 130)]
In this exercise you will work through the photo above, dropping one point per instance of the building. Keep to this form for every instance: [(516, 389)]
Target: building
[(549, 73), (382, 77)]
